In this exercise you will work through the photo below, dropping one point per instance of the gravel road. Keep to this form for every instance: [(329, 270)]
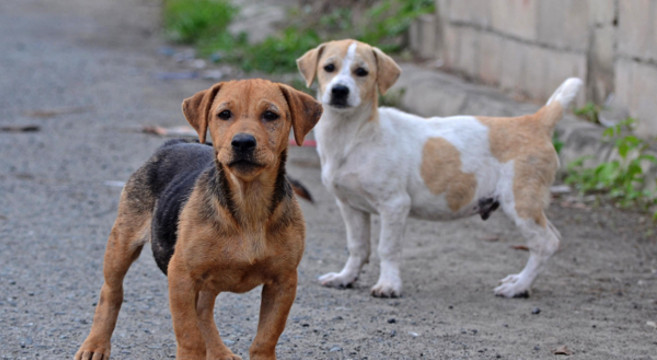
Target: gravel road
[(87, 75)]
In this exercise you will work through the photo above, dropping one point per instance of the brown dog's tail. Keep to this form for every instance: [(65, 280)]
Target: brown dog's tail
[(300, 190)]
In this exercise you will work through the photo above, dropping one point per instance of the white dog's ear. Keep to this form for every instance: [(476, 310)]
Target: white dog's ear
[(387, 70), (197, 109), (307, 64), (305, 111)]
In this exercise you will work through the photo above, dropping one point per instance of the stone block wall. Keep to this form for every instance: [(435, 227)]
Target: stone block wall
[(528, 47), (635, 70)]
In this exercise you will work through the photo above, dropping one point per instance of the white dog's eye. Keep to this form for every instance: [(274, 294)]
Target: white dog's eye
[(361, 72), (329, 68)]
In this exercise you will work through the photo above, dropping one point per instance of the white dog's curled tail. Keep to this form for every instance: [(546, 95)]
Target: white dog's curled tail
[(566, 92), (550, 114)]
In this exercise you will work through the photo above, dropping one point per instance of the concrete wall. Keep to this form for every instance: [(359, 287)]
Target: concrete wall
[(528, 47)]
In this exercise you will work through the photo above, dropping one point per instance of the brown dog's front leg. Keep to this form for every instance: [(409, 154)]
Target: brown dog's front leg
[(215, 347), (183, 296), (277, 299)]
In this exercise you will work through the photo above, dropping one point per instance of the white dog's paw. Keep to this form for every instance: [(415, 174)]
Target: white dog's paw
[(513, 286), (337, 280), (384, 289)]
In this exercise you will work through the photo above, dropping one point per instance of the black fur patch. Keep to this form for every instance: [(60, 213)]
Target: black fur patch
[(164, 226), (487, 206), (172, 174), (282, 188), (220, 189)]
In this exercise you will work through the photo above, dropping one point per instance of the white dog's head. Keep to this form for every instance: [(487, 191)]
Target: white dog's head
[(348, 72)]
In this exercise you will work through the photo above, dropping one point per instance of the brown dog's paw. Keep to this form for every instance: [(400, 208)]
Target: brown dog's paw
[(193, 355), (230, 357), (227, 355), (262, 357), (93, 351)]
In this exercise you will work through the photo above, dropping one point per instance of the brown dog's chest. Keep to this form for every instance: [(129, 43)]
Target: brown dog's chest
[(241, 278), (240, 262)]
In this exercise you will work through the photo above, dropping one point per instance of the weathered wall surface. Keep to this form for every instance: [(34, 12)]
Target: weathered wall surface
[(529, 47)]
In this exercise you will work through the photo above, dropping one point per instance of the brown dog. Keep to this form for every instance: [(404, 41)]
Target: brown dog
[(220, 218)]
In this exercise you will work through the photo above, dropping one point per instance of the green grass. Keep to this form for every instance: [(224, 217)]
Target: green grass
[(557, 143), (590, 112), (278, 54), (390, 19), (194, 21), (623, 180), (203, 23)]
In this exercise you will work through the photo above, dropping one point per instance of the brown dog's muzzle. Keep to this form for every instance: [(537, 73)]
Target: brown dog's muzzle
[(243, 143), (243, 158)]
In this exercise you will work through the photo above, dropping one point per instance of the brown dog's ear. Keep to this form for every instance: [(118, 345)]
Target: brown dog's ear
[(197, 110), (305, 111), (307, 64), (387, 70)]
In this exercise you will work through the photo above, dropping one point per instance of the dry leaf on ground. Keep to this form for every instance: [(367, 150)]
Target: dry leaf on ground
[(562, 350)]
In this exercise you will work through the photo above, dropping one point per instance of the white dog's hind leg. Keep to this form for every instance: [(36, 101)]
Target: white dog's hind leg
[(393, 223), (358, 243), (542, 243)]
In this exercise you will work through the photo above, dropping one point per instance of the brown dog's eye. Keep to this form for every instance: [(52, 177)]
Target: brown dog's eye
[(225, 115), (329, 68), (270, 116), (361, 72)]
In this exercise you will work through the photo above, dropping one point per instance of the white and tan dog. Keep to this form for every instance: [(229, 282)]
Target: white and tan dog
[(387, 162)]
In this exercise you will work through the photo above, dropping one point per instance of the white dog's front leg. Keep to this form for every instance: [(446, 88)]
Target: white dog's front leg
[(393, 223), (358, 243)]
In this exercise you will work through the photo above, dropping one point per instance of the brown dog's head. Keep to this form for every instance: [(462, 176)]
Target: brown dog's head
[(250, 120), (348, 72)]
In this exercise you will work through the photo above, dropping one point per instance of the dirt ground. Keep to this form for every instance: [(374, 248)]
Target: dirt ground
[(89, 75)]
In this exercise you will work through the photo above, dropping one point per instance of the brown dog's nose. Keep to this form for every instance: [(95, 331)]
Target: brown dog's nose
[(243, 142)]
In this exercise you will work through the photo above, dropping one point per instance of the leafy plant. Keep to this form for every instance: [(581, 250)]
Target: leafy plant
[(338, 20), (557, 143), (204, 22), (191, 21), (590, 112), (279, 54), (390, 19), (623, 179)]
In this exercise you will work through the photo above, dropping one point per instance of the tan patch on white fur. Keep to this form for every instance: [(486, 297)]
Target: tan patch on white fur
[(527, 140), (441, 172), (334, 52), (374, 115)]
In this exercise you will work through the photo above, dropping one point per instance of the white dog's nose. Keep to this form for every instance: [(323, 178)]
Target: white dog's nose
[(340, 96), (340, 92)]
